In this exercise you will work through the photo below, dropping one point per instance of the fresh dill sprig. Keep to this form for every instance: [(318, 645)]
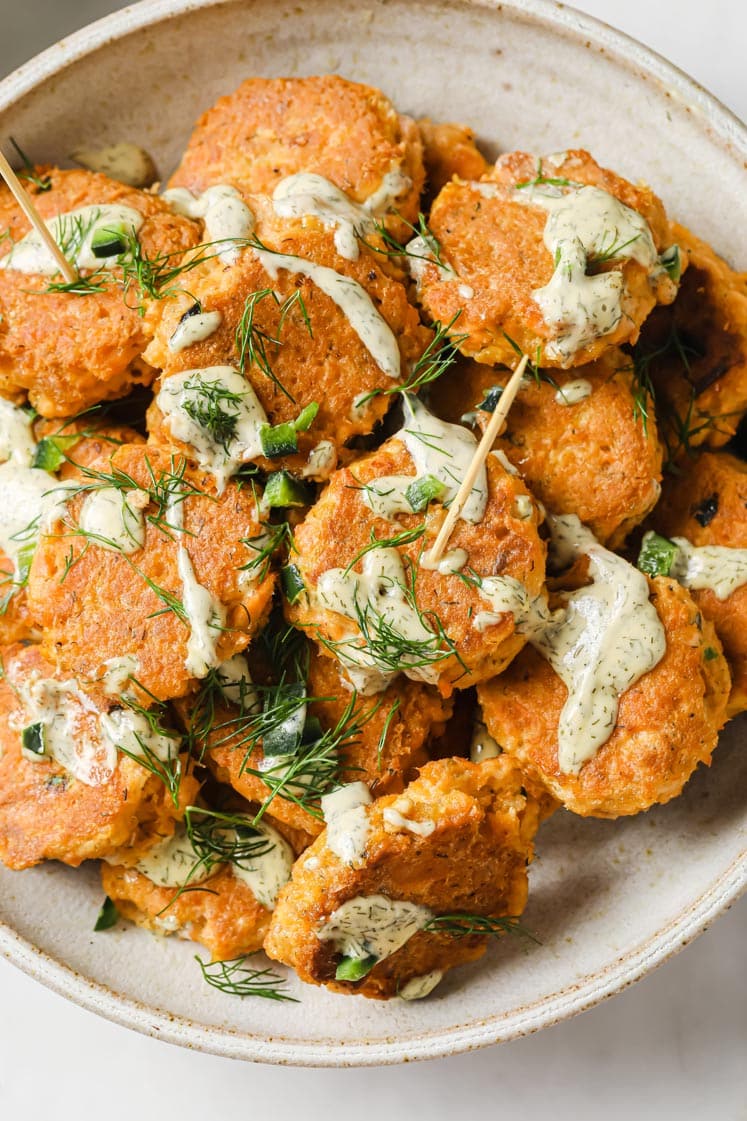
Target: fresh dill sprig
[(237, 979), (395, 248), (26, 171), (265, 545), (437, 358), (215, 408), (542, 180), (253, 342), (170, 770), (224, 838), (611, 252), (405, 537), (462, 924)]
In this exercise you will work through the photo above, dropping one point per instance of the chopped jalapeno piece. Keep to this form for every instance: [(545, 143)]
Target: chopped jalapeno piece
[(50, 451), (32, 739), (107, 916), (292, 582), (657, 555), (671, 260), (422, 491), (109, 242), (283, 490), (306, 417), (278, 439), (284, 737), (353, 969)]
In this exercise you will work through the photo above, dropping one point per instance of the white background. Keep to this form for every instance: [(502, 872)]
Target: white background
[(671, 1048)]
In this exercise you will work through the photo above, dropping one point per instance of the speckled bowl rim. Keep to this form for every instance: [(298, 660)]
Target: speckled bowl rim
[(646, 65)]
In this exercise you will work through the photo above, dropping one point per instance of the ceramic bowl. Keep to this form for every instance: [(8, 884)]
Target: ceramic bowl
[(609, 900)]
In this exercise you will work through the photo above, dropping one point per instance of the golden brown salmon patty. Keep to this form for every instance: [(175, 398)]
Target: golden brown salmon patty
[(67, 351), (227, 902), (271, 128), (457, 841), (377, 740), (177, 605), (668, 721), (302, 351), (706, 503), (497, 263), (448, 150), (695, 352), (585, 442), (107, 801), (434, 636), (76, 440)]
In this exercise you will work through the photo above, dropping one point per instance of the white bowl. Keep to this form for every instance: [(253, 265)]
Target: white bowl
[(609, 900)]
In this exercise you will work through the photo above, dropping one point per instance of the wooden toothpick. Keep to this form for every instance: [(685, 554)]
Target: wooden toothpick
[(22, 197), (481, 454)]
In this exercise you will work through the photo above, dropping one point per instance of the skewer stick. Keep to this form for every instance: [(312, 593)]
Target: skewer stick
[(481, 454), (22, 197)]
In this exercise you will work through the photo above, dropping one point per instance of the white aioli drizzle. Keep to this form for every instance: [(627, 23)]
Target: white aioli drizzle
[(236, 683), (445, 451), (114, 518), (206, 617), (373, 924), (227, 217), (80, 737), (716, 568), (31, 255), (377, 594), (584, 222), (396, 820), (126, 162), (482, 745), (605, 638), (321, 462), (191, 387), (17, 444), (117, 673), (345, 813), (306, 194), (30, 504), (265, 874), (193, 329), (418, 987), (573, 392), (352, 300), (169, 863)]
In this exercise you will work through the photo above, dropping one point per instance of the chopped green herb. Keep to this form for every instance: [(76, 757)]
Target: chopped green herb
[(657, 555), (353, 969), (237, 979), (108, 916), (463, 924), (282, 489), (33, 739)]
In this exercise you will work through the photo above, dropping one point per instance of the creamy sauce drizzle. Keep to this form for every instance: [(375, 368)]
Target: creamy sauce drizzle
[(114, 518), (226, 216), (117, 673), (377, 594), (373, 924), (236, 683), (396, 820), (445, 451), (31, 504), (583, 223), (345, 813), (482, 745), (418, 987), (74, 231), (233, 395), (206, 616), (17, 444), (321, 462), (77, 735), (266, 874), (573, 392), (352, 300), (716, 568), (124, 161), (308, 195), (194, 328), (169, 863)]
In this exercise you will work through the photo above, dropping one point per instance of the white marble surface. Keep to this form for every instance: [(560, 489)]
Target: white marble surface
[(671, 1048)]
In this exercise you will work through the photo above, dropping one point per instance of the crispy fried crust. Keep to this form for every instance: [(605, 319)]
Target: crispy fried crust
[(699, 368), (68, 352), (495, 246), (449, 150), (391, 743), (327, 363), (104, 608), (706, 502), (225, 917), (270, 128), (668, 721), (474, 861), (340, 525), (46, 814), (594, 457)]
